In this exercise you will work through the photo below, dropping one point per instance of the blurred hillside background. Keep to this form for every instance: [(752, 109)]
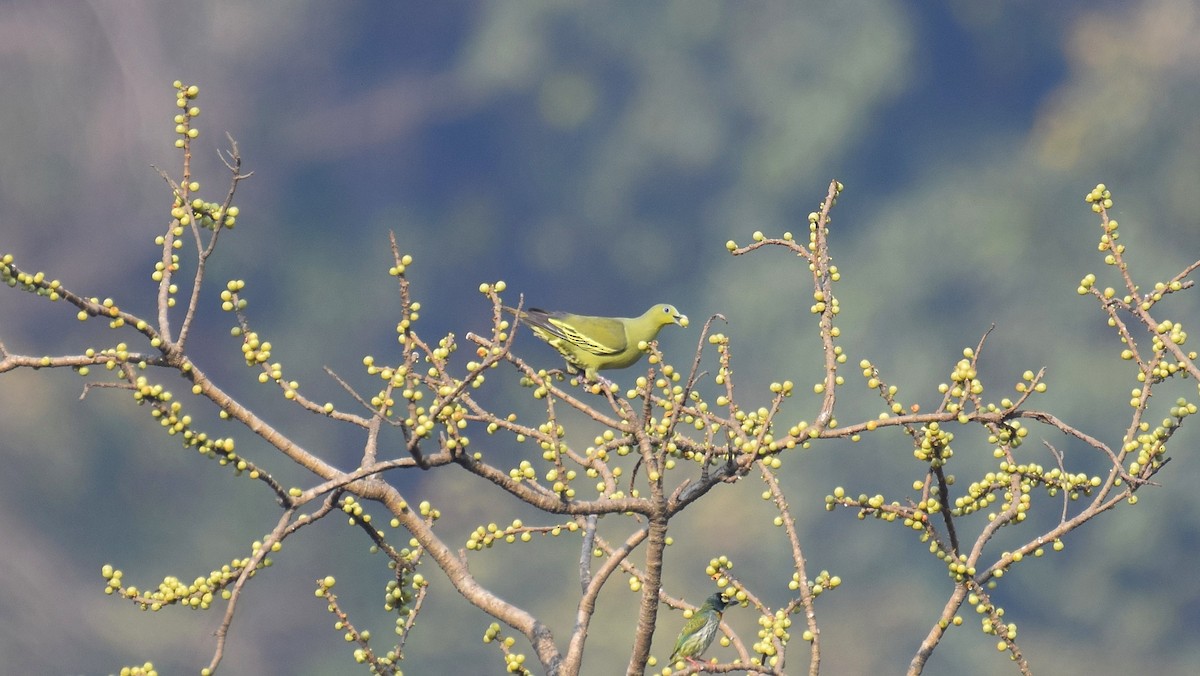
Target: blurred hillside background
[(596, 157)]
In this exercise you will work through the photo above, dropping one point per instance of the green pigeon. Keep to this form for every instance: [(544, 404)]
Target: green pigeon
[(700, 630), (590, 344)]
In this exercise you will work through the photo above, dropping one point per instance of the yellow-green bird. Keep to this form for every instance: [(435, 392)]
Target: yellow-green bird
[(699, 631), (590, 344)]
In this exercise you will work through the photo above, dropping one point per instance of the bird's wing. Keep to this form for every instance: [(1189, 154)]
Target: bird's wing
[(600, 336), (689, 636)]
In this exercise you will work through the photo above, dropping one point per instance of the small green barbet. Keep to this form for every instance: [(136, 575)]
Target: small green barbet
[(700, 630), (590, 344)]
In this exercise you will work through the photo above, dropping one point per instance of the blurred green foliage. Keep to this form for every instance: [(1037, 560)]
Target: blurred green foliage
[(593, 156)]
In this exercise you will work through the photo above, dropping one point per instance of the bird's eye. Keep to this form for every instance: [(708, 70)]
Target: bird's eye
[(667, 310)]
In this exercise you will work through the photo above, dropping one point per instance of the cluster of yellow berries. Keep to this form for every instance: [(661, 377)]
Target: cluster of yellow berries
[(230, 300), (484, 537), (979, 495), (397, 596), (1012, 434), (110, 357), (198, 595), (822, 582), (1151, 445), (957, 567), (717, 568), (1172, 331), (169, 413), (363, 654), (490, 289), (406, 322), (184, 96), (398, 270), (212, 215), (772, 631), (965, 377), (514, 662), (401, 591), (351, 506), (874, 505), (1030, 377), (1100, 198), (887, 392), (822, 302), (254, 350), (32, 282), (991, 614), (159, 267), (934, 445)]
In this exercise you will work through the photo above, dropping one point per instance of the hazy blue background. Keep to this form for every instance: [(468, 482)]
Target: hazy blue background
[(596, 157)]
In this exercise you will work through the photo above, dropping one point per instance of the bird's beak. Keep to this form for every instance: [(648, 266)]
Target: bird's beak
[(681, 320)]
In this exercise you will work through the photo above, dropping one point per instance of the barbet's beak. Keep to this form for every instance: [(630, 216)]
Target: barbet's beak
[(681, 320)]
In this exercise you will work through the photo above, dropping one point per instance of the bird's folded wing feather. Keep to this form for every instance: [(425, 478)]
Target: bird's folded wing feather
[(600, 336)]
